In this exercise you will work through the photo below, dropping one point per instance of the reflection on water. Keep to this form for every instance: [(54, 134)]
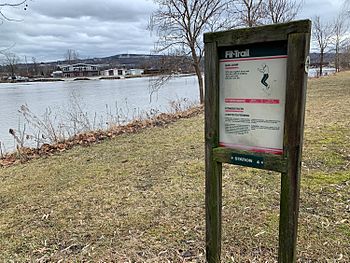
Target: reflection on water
[(98, 98)]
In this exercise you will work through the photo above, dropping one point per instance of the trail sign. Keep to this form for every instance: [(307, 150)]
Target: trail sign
[(252, 91), (255, 83)]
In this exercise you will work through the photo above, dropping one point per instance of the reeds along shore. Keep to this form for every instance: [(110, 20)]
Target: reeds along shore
[(24, 154)]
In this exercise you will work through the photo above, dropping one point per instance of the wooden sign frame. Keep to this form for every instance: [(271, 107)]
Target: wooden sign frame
[(297, 36)]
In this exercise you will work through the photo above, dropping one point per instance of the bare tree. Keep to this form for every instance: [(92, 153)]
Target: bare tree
[(278, 11), (13, 3), (345, 55), (166, 67), (346, 6), (35, 68), (339, 29), (322, 33), (11, 61), (4, 17), (180, 24), (71, 56), (27, 68), (249, 12)]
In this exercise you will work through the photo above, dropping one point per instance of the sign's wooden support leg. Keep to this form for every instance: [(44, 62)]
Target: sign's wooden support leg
[(288, 217), (213, 191), (298, 46), (213, 209)]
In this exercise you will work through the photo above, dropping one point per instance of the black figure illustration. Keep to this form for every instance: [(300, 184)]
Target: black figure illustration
[(265, 70)]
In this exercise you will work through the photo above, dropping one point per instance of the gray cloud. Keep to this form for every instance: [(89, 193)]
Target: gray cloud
[(326, 9), (129, 11), (95, 28)]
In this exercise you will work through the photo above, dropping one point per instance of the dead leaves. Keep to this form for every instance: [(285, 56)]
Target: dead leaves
[(24, 154)]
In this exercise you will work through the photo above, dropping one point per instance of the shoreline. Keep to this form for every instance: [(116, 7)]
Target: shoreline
[(25, 154), (91, 78)]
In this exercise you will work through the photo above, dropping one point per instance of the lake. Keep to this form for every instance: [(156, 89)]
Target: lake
[(314, 72), (98, 100), (101, 101)]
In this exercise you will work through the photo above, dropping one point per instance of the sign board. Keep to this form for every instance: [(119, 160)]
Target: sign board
[(252, 96), (255, 95)]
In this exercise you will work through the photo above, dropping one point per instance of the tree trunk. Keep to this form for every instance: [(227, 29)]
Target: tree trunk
[(197, 68), (321, 61), (12, 69), (200, 82), (337, 60)]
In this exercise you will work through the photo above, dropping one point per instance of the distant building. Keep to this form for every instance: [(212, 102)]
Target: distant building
[(79, 70), (57, 74), (114, 72), (135, 72)]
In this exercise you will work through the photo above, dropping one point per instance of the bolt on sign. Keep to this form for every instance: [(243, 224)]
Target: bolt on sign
[(255, 96)]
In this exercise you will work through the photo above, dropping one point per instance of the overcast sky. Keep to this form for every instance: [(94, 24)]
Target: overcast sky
[(96, 28)]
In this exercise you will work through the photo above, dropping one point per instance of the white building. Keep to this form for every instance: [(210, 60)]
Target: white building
[(135, 72), (114, 72), (57, 74)]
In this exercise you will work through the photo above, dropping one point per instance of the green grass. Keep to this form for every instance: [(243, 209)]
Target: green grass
[(140, 197)]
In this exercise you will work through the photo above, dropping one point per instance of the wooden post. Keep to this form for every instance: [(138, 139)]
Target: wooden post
[(298, 48), (297, 36), (213, 185)]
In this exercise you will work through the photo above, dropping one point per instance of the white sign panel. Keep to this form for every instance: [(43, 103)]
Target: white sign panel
[(252, 97)]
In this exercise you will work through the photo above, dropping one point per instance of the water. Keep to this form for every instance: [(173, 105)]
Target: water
[(126, 97), (313, 72)]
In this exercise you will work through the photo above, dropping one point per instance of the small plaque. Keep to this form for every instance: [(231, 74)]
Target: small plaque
[(247, 160)]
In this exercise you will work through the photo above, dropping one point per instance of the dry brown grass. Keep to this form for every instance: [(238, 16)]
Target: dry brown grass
[(140, 197)]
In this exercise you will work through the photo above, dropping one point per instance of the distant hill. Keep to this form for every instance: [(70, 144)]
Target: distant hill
[(144, 60), (149, 61), (328, 58), (125, 60)]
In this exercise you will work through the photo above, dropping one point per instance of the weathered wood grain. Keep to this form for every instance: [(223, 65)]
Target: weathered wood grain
[(275, 32), (213, 182), (272, 162), (298, 50)]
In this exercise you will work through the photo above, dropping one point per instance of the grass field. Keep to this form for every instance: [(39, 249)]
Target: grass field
[(140, 197)]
